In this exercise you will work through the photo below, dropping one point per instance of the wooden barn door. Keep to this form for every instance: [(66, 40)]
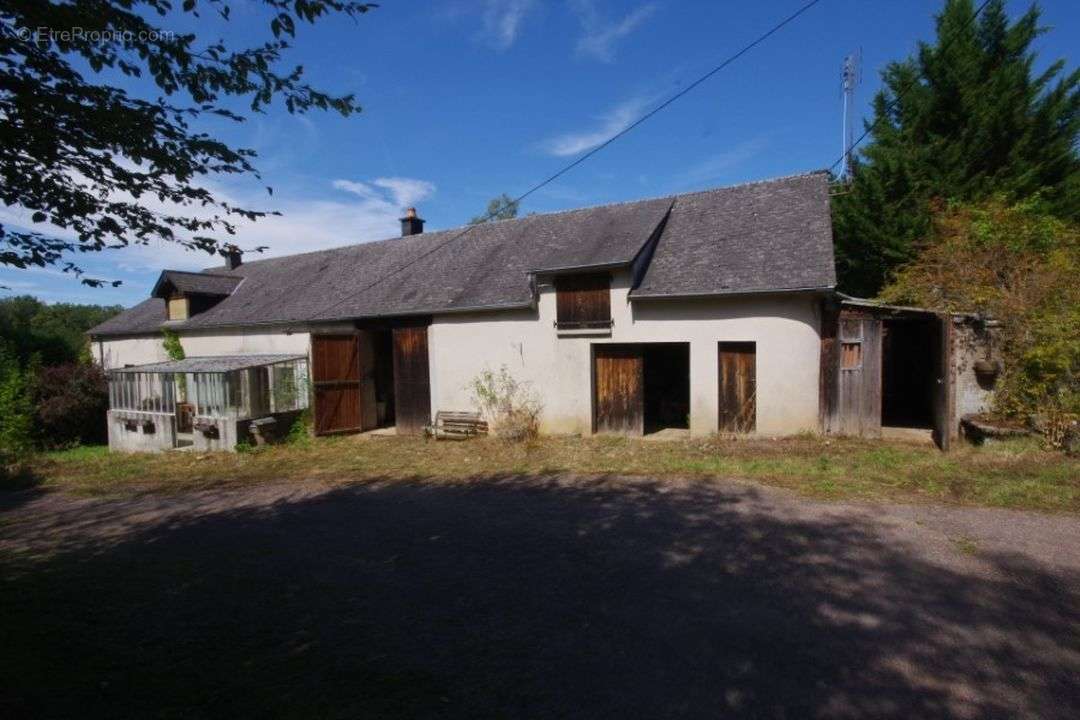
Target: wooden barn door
[(858, 402), (738, 387), (412, 385), (943, 391), (619, 390), (335, 375)]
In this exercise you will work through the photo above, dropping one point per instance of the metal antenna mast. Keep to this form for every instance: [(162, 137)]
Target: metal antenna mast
[(850, 77)]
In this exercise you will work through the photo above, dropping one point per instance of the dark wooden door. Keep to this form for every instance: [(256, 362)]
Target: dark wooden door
[(412, 384), (738, 387), (943, 391), (858, 401), (619, 390), (335, 375)]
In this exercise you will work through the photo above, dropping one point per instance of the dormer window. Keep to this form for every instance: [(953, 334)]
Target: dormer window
[(583, 302), (178, 307), (186, 294)]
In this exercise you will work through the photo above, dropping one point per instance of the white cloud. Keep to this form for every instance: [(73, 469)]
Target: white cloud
[(304, 225), (601, 35), (717, 165), (611, 124), (503, 19)]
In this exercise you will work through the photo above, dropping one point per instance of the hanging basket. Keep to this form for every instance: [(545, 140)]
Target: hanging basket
[(986, 371)]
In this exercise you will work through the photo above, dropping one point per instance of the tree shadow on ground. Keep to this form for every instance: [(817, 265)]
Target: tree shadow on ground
[(520, 597)]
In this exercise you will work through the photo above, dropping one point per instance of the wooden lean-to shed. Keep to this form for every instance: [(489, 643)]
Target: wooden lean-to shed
[(887, 366)]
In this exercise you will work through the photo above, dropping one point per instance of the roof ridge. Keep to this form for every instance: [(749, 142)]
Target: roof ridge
[(204, 273)]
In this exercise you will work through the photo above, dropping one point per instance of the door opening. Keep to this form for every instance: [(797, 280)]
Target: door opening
[(910, 348), (667, 387), (382, 343), (642, 388)]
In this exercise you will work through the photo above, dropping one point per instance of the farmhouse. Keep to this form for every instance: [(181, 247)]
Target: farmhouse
[(708, 312)]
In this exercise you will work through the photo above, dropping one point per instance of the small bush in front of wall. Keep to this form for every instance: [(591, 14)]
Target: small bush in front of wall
[(300, 430), (512, 408)]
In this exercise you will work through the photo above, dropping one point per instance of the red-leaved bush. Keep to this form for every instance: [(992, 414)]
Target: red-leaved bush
[(70, 403)]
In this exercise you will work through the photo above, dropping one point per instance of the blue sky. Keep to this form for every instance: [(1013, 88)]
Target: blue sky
[(465, 99)]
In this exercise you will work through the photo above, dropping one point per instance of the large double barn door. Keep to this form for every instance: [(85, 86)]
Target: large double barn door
[(619, 389), (336, 377)]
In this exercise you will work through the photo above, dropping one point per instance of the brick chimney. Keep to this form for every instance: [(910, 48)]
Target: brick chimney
[(411, 224), (233, 256)]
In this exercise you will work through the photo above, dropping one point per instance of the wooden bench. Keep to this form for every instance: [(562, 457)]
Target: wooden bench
[(456, 425)]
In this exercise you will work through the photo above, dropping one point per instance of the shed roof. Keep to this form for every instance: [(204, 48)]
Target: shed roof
[(760, 237), (215, 364)]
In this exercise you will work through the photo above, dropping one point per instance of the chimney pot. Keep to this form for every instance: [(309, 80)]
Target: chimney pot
[(233, 256), (411, 224)]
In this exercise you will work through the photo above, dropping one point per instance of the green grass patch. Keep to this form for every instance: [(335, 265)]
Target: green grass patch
[(1016, 474)]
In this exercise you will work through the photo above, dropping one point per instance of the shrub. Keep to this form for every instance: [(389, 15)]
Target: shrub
[(1016, 264), (70, 403), (16, 411), (300, 431), (512, 408)]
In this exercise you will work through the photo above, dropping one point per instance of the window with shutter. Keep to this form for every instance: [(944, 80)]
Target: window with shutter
[(583, 302)]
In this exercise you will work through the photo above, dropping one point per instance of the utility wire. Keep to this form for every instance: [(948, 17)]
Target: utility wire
[(900, 95), (555, 176)]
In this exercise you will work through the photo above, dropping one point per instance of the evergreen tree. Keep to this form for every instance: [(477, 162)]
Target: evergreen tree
[(964, 119)]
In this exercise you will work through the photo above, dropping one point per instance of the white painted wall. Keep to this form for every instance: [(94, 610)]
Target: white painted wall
[(785, 328), (139, 351)]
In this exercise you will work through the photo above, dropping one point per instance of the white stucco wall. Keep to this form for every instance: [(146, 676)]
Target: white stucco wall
[(785, 328), (115, 353)]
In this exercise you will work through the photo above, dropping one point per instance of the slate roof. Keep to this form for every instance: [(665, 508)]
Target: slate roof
[(215, 364), (759, 237), (765, 236), (196, 283)]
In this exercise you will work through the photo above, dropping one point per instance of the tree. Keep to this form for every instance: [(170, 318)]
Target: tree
[(964, 119), (1018, 264), (502, 207), (111, 169), (57, 333)]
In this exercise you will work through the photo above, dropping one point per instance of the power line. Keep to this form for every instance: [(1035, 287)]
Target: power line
[(567, 168), (900, 95)]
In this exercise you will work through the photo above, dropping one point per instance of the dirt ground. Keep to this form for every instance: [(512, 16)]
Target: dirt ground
[(551, 596)]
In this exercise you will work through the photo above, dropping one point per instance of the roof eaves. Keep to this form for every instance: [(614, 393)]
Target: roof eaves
[(733, 293)]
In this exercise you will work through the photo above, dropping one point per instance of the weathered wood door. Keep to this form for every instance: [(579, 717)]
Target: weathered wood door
[(619, 389), (858, 402), (335, 375), (943, 392), (412, 384), (738, 386)]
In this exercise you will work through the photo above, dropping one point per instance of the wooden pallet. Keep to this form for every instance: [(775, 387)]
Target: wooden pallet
[(457, 425)]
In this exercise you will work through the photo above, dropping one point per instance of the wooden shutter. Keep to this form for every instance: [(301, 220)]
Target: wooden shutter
[(583, 301), (619, 390), (335, 375), (738, 386), (412, 386)]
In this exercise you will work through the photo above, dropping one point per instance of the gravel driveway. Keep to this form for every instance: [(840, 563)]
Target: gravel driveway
[(534, 597)]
